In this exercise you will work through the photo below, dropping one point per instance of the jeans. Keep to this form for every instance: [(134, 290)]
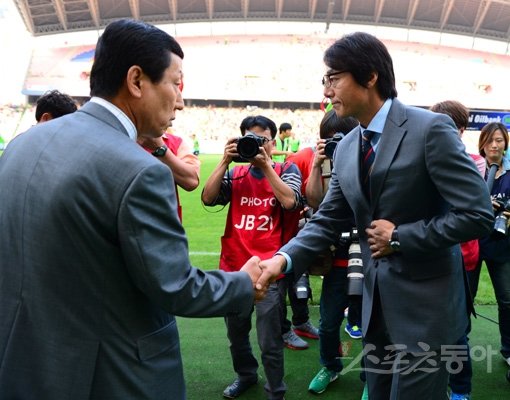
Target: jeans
[(268, 322), (460, 382), (333, 302), (499, 273)]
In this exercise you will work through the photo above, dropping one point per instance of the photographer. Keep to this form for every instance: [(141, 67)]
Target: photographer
[(495, 249), (263, 213)]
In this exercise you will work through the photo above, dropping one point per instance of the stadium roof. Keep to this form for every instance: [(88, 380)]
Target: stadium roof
[(477, 18)]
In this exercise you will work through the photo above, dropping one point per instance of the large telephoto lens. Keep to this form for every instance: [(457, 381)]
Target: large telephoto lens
[(355, 271)]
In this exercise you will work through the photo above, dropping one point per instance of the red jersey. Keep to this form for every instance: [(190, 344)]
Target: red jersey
[(304, 160)]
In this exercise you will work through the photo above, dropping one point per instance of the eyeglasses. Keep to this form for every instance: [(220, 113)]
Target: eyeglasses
[(326, 79)]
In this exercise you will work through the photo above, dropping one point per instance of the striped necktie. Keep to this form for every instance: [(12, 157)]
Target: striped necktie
[(367, 161)]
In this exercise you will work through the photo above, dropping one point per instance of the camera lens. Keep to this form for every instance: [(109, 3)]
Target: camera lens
[(248, 146), (329, 149), (355, 271)]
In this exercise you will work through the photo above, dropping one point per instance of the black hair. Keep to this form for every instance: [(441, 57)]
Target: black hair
[(260, 121), (331, 123), (55, 103), (361, 54), (285, 126), (125, 43)]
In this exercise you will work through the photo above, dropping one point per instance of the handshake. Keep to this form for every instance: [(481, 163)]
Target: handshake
[(264, 272)]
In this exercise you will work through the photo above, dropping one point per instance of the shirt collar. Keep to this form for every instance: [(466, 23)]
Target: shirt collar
[(119, 114), (379, 120)]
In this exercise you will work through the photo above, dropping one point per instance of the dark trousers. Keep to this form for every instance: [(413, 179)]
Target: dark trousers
[(460, 377), (268, 323), (393, 373), (334, 299)]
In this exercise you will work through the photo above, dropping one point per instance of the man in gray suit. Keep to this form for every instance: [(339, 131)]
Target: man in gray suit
[(93, 259), (422, 196)]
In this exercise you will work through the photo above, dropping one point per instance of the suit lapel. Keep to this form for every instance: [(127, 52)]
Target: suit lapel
[(389, 143), (349, 171)]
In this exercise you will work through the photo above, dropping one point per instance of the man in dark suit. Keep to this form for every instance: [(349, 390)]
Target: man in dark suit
[(421, 197), (93, 259)]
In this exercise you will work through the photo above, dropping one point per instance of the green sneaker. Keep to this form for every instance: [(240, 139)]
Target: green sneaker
[(364, 396), (322, 380)]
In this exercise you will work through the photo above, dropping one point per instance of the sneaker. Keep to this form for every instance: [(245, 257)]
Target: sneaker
[(307, 330), (457, 396), (237, 388), (353, 331), (293, 341), (321, 381), (364, 396)]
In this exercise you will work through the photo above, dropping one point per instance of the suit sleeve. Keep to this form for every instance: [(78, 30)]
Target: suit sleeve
[(322, 230), (154, 245), (468, 212)]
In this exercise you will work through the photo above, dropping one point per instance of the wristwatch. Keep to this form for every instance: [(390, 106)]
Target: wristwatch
[(394, 242), (160, 151)]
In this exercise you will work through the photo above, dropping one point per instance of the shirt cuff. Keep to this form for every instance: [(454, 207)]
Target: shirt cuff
[(288, 268)]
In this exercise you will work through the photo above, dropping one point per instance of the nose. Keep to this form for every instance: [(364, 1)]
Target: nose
[(328, 92), (179, 101)]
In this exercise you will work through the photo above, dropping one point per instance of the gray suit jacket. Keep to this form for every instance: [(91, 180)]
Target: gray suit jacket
[(424, 182), (94, 265)]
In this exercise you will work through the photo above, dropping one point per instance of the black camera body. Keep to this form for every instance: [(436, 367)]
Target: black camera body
[(501, 220), (329, 148), (248, 147), (355, 263)]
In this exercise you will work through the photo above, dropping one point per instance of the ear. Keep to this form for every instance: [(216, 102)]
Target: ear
[(134, 81), (46, 117), (373, 79)]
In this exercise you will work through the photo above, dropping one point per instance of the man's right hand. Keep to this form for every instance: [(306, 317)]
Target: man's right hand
[(252, 268), (271, 269), (319, 155), (230, 150)]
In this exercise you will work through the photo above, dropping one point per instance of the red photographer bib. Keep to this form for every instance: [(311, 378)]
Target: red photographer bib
[(254, 221)]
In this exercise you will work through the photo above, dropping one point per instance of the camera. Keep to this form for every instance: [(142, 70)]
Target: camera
[(302, 287), (354, 264), (329, 148), (501, 220), (248, 146)]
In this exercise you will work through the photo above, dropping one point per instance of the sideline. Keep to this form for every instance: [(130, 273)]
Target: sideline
[(204, 253)]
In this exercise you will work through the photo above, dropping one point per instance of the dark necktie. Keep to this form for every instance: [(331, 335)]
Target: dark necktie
[(367, 161)]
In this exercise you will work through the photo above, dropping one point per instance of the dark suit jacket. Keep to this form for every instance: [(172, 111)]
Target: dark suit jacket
[(94, 265), (424, 182)]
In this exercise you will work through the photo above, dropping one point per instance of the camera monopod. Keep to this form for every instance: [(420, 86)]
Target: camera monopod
[(491, 176)]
